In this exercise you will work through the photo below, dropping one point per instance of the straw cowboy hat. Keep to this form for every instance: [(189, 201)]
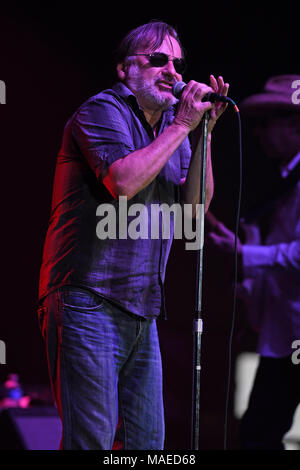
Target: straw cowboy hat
[(281, 92)]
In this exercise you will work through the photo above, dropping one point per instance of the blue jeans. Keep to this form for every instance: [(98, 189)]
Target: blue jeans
[(105, 371)]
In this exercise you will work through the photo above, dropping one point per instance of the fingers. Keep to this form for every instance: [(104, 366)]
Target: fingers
[(222, 229), (191, 107), (213, 83), (213, 238), (197, 90), (219, 86), (194, 93)]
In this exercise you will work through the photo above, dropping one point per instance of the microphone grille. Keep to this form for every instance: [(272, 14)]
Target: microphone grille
[(178, 89)]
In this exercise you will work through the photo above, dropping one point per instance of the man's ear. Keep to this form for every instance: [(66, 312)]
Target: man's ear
[(121, 71)]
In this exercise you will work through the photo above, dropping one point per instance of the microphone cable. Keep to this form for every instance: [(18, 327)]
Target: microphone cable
[(235, 279), (178, 87)]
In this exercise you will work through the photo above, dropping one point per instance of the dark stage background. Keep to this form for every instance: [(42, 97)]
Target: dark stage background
[(53, 56)]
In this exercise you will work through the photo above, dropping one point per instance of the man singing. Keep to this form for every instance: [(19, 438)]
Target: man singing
[(99, 299)]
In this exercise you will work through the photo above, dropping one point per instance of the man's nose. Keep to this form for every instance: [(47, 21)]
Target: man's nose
[(169, 68)]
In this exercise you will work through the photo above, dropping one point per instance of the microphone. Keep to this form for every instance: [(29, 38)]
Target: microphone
[(178, 88)]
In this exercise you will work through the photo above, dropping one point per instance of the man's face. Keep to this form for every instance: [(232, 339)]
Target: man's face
[(153, 85)]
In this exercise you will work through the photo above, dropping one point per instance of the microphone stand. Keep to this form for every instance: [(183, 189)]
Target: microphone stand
[(197, 322)]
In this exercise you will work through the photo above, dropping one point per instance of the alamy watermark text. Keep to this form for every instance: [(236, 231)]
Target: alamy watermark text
[(2, 92), (296, 93), (2, 352), (296, 354), (154, 221)]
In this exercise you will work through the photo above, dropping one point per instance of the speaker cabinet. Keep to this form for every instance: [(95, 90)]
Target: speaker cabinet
[(36, 428)]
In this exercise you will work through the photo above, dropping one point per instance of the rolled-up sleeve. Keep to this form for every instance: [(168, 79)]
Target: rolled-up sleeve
[(101, 132)]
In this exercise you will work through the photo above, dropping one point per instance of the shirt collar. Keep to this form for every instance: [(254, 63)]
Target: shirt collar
[(123, 90), (127, 94)]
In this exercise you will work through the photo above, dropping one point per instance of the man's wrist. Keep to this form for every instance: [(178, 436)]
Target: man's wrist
[(181, 126)]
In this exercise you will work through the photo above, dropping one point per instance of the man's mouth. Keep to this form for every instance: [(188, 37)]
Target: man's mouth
[(165, 85)]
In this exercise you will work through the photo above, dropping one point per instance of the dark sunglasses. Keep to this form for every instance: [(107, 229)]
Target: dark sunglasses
[(160, 59)]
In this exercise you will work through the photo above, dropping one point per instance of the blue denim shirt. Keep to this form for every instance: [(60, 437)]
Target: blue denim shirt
[(131, 273)]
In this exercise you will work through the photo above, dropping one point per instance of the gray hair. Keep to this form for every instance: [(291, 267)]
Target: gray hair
[(149, 35)]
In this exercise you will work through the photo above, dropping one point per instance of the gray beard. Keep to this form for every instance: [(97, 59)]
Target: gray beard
[(147, 91)]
